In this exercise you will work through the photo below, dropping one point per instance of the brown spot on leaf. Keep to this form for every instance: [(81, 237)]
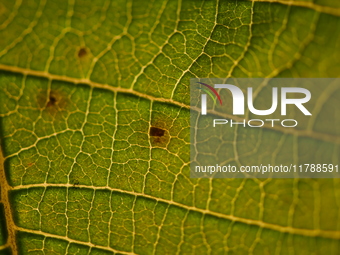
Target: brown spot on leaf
[(53, 102), (155, 131), (82, 52), (159, 135)]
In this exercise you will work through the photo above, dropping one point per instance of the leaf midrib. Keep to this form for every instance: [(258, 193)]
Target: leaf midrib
[(4, 199)]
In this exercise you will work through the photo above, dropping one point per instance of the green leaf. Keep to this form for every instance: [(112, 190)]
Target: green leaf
[(82, 83)]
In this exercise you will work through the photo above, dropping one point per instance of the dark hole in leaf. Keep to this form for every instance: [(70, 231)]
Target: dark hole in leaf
[(155, 131), (82, 52), (52, 100)]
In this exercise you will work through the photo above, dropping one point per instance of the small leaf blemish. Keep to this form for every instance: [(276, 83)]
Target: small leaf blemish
[(159, 137), (155, 131), (82, 53), (52, 100)]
